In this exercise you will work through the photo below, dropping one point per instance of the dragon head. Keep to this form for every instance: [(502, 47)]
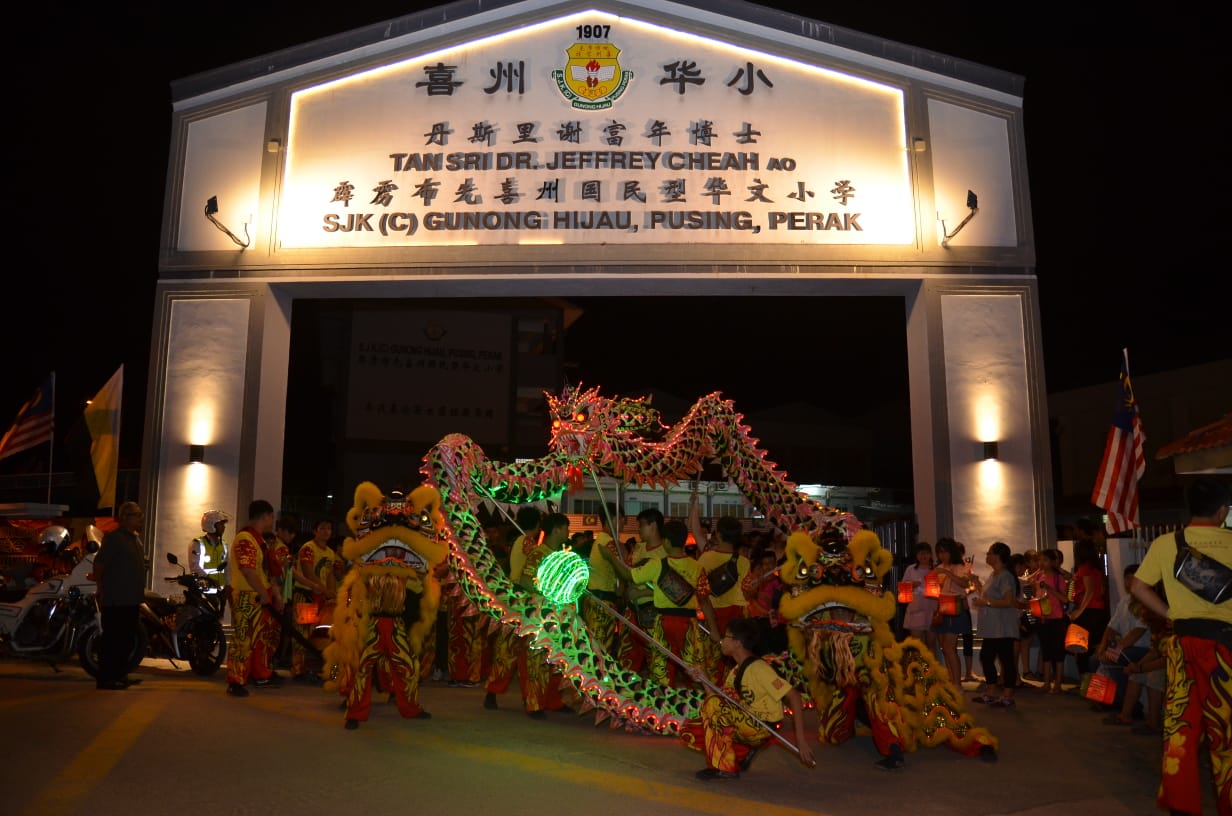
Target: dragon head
[(397, 531), (834, 584), (582, 419)]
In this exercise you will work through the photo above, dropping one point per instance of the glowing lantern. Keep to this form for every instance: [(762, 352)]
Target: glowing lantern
[(1041, 607), (307, 614), (1101, 688), (562, 577), (1076, 639), (904, 592), (932, 585), (948, 604)]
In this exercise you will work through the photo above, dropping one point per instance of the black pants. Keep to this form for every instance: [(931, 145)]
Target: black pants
[(999, 650), (117, 642), (1095, 621)]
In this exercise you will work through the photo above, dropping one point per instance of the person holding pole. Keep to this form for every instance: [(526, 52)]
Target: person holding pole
[(679, 589), (732, 725)]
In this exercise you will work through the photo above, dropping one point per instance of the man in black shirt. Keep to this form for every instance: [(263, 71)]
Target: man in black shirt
[(119, 569)]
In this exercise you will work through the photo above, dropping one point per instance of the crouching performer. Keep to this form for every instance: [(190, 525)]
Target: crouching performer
[(733, 725), (838, 615), (388, 599)]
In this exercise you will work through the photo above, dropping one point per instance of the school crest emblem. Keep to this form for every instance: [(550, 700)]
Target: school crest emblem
[(592, 78)]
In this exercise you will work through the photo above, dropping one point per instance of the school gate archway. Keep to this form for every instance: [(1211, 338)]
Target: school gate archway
[(564, 149)]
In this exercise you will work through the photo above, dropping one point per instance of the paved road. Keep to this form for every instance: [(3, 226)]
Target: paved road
[(177, 743)]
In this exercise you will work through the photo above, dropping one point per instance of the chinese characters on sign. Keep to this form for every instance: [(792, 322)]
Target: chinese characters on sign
[(654, 137)]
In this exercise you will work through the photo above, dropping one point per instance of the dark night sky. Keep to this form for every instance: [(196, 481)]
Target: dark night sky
[(1128, 170)]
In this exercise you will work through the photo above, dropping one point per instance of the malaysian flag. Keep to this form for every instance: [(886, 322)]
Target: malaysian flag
[(1116, 486), (35, 421)]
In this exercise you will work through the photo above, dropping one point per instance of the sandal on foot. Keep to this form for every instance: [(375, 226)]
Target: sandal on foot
[(1003, 702), (985, 698), (1116, 720)]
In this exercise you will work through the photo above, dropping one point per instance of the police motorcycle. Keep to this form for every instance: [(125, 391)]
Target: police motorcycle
[(185, 628), (56, 616)]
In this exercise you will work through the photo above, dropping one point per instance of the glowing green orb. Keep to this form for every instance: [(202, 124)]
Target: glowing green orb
[(562, 577)]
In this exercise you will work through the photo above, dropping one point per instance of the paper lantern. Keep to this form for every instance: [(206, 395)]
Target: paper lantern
[(1101, 688), (948, 604), (307, 614), (1076, 639), (932, 585), (904, 592), (1041, 607)]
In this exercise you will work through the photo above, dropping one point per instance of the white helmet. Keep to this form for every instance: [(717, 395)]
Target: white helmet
[(54, 539), (211, 518)]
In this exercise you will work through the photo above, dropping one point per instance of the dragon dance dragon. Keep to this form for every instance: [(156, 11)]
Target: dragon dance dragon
[(596, 436), (593, 435)]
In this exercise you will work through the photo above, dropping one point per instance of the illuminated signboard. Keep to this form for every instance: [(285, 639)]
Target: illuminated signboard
[(591, 129)]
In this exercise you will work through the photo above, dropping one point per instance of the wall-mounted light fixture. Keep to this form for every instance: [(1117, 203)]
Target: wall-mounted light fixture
[(973, 204), (211, 208), (196, 454), (992, 450)]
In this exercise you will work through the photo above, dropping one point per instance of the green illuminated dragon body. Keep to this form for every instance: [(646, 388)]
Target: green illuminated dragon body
[(595, 436)]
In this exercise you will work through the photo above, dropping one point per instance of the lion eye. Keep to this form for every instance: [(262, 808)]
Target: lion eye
[(580, 416)]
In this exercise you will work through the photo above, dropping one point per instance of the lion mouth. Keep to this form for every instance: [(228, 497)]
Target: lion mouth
[(396, 554), (832, 616)]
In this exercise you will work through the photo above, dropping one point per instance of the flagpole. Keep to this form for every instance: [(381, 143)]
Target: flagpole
[(51, 438)]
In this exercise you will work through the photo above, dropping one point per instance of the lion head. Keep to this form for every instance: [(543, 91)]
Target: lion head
[(834, 584), (396, 531)]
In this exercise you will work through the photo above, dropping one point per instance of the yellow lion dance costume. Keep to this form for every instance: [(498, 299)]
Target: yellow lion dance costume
[(388, 599), (838, 618)]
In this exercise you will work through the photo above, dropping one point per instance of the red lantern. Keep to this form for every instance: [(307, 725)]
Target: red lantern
[(1101, 688), (307, 614), (904, 592), (948, 604), (932, 585), (1076, 639)]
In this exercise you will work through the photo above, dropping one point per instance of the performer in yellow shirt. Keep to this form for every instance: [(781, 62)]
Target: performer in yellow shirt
[(605, 586), (252, 595), (504, 645), (540, 685), (725, 572), (1199, 651), (729, 734), (313, 571), (679, 588)]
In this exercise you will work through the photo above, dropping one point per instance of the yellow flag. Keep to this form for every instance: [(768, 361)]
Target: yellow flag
[(103, 421)]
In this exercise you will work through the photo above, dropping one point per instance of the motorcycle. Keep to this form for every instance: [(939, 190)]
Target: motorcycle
[(173, 629), (55, 616)]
